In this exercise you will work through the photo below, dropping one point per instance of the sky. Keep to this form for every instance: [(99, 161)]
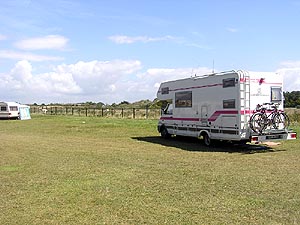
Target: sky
[(111, 51)]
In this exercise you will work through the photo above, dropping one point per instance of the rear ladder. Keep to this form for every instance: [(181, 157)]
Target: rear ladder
[(245, 98)]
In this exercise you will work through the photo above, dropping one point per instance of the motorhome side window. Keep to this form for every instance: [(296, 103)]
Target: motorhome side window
[(3, 108), (183, 99), (165, 91), (229, 104), (228, 82), (276, 94)]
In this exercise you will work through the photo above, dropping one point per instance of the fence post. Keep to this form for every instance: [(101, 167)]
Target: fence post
[(122, 112), (102, 112), (147, 108), (86, 112), (133, 113)]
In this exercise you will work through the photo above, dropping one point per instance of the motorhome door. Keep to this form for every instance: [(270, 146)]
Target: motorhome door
[(204, 117)]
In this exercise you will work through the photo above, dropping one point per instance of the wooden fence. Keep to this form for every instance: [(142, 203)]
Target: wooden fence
[(133, 113)]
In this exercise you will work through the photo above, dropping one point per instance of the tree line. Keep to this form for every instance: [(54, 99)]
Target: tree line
[(292, 99)]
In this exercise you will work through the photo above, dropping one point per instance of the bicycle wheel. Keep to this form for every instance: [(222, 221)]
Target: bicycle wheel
[(280, 121), (258, 122)]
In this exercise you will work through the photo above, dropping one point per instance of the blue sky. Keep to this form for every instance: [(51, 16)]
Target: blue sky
[(111, 51)]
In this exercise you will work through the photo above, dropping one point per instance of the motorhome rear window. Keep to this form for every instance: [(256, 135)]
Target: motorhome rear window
[(13, 108), (183, 99), (276, 94), (228, 82), (3, 108), (229, 104), (165, 91)]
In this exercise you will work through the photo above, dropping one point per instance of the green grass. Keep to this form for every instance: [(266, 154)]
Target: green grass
[(88, 170)]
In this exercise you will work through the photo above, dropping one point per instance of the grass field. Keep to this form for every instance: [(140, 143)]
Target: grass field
[(88, 170)]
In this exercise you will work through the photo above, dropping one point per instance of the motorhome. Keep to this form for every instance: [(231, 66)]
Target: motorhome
[(14, 110), (219, 106)]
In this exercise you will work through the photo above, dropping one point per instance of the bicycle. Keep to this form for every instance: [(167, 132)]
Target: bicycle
[(260, 120)]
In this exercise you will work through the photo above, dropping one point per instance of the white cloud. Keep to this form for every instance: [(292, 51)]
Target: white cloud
[(57, 42), (8, 54), (31, 84), (290, 64), (105, 81), (95, 80), (147, 83), (123, 39), (22, 71), (291, 75)]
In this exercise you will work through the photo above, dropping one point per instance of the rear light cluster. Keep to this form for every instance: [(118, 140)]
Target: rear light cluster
[(294, 135), (254, 139)]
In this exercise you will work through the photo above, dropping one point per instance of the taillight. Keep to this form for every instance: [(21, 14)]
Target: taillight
[(294, 135), (254, 139)]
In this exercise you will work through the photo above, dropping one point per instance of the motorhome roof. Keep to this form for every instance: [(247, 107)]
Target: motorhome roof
[(205, 75)]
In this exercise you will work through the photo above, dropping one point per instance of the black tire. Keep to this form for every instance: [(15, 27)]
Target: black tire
[(206, 140), (258, 122), (164, 133), (280, 121), (287, 119)]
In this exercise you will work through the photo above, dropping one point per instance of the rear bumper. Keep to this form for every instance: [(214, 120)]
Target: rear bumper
[(288, 135)]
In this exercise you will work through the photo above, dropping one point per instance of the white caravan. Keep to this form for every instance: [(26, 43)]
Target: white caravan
[(219, 106), (14, 110)]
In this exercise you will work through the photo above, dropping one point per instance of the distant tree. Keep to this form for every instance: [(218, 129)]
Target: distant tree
[(100, 104), (89, 103), (156, 104), (291, 99), (124, 103)]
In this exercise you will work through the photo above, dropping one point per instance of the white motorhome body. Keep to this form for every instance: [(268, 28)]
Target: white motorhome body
[(14, 110), (219, 106)]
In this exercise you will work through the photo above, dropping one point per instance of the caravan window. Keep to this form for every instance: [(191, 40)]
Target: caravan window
[(276, 94), (229, 104), (13, 108), (183, 99), (229, 82), (3, 108), (165, 91)]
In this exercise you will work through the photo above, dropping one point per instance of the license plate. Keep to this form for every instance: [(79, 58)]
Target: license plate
[(274, 136)]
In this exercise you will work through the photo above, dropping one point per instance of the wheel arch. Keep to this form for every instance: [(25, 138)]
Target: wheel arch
[(160, 127), (204, 132)]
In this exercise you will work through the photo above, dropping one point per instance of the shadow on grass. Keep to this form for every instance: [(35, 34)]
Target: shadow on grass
[(194, 144)]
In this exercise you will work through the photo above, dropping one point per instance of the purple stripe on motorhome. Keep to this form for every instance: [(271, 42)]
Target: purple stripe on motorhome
[(214, 116), (187, 88), (204, 86), (184, 119), (221, 112)]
